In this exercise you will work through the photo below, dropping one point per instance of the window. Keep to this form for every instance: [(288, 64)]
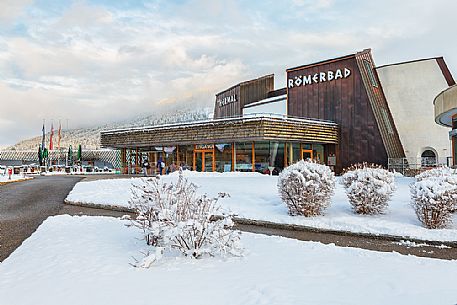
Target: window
[(371, 75), (385, 117)]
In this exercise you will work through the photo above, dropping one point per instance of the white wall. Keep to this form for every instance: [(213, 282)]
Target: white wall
[(279, 107), (410, 89)]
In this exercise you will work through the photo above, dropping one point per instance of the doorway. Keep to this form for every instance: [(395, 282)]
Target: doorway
[(306, 154), (204, 160)]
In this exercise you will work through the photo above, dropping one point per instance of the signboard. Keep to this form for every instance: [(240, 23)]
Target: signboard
[(305, 80), (204, 147), (226, 100)]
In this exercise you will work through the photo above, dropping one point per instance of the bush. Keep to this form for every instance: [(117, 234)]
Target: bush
[(173, 216), (434, 197), (306, 188), (368, 187), (436, 172)]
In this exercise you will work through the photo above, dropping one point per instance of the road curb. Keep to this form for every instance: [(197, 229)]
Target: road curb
[(116, 208), (290, 227), (13, 181), (301, 228)]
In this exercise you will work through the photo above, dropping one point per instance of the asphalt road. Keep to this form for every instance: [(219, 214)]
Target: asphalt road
[(25, 205)]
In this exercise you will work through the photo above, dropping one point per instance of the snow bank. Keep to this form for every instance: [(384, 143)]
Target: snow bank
[(14, 178), (85, 260), (255, 196)]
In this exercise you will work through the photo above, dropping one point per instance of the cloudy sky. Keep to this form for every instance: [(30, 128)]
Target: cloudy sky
[(98, 61)]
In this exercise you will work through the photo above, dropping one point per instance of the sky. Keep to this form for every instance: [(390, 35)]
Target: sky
[(91, 62)]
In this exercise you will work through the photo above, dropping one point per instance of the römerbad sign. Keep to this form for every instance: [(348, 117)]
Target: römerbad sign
[(304, 80)]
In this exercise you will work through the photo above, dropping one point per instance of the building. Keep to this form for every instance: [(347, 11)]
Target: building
[(446, 115), (339, 111), (410, 89)]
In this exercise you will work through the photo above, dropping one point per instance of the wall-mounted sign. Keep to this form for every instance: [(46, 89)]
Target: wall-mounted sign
[(226, 100), (304, 80), (204, 147)]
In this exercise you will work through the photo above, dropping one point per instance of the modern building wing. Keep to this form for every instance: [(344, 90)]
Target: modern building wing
[(339, 111)]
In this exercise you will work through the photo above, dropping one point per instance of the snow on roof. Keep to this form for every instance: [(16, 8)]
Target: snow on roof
[(250, 117)]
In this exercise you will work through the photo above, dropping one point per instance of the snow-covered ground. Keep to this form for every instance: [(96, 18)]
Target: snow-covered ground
[(255, 196), (85, 260), (5, 178)]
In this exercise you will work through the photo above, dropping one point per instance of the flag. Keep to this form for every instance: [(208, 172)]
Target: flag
[(43, 138), (59, 135), (51, 146)]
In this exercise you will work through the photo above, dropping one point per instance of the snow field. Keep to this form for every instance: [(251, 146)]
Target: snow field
[(85, 260), (255, 196)]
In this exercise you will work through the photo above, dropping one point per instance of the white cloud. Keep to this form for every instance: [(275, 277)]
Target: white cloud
[(96, 64), (11, 9)]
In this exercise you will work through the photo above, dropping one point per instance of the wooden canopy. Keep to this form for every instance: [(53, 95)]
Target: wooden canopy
[(224, 131)]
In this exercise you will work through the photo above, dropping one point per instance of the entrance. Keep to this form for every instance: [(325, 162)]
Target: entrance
[(204, 160), (306, 154)]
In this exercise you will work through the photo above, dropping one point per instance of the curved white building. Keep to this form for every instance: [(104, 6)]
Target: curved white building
[(410, 88)]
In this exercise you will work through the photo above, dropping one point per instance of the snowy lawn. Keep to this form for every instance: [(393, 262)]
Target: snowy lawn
[(85, 260), (14, 178), (255, 196)]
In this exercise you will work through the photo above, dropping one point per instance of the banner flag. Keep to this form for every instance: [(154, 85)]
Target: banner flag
[(51, 146)]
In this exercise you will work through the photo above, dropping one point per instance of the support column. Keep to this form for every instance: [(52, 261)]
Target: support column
[(233, 157), (253, 156)]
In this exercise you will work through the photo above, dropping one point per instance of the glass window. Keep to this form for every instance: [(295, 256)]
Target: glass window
[(318, 153), (186, 156), (262, 157), (243, 158), (385, 117), (277, 156), (223, 157), (296, 153), (370, 72)]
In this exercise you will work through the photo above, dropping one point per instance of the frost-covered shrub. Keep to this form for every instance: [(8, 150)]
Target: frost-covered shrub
[(173, 216), (306, 187), (436, 172), (434, 198), (368, 187)]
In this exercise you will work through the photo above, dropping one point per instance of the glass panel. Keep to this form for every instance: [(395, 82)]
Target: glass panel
[(208, 161), (243, 157), (185, 156), (198, 161), (295, 152), (277, 156), (318, 153), (223, 157), (262, 157), (306, 146)]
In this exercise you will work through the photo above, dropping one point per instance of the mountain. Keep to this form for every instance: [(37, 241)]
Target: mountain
[(89, 138)]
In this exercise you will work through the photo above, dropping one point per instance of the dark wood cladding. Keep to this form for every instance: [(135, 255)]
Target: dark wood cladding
[(379, 106), (224, 131), (344, 101), (245, 93), (445, 70)]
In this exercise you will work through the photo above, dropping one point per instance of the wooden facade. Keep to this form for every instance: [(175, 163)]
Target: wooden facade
[(351, 100), (223, 131), (230, 103)]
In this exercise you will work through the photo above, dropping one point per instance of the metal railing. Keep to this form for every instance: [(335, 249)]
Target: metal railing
[(413, 166)]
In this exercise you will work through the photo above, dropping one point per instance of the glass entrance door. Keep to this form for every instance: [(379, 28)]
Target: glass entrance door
[(204, 160), (306, 154)]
